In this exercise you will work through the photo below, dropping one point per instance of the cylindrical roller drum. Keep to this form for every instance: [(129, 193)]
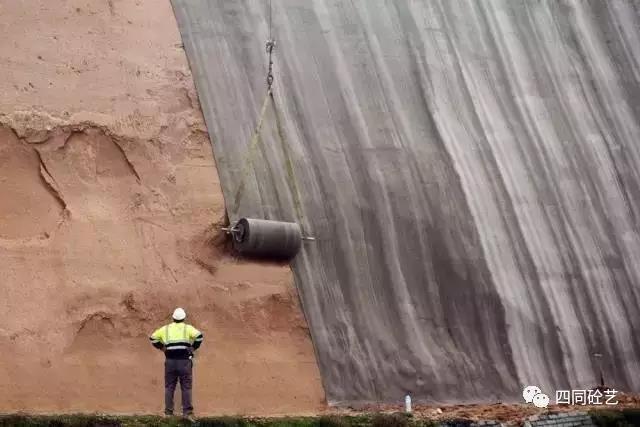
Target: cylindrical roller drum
[(267, 239)]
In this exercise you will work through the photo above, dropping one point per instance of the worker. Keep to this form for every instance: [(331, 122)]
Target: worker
[(179, 341)]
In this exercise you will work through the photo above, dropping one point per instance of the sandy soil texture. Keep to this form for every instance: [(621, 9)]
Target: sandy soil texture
[(108, 211)]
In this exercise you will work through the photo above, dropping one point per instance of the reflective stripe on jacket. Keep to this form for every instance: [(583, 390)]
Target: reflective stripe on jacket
[(178, 340)]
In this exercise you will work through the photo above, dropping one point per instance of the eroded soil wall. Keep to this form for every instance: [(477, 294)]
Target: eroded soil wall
[(108, 211)]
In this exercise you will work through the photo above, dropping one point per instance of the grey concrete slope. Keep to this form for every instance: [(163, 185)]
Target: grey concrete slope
[(470, 169)]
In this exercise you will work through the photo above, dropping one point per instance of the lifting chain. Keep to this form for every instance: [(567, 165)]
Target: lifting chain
[(271, 43)]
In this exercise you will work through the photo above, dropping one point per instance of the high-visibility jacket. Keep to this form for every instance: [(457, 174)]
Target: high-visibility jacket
[(178, 340)]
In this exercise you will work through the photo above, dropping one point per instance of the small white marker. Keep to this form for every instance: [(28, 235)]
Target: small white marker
[(407, 403)]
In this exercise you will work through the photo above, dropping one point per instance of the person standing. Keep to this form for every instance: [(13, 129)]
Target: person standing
[(179, 341)]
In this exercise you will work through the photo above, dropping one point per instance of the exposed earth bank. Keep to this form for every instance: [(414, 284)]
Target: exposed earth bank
[(110, 206)]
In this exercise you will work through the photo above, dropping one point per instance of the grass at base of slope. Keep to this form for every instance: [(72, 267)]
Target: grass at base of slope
[(373, 420), (602, 418)]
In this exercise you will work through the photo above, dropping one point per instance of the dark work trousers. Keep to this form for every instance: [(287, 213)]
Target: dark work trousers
[(174, 370)]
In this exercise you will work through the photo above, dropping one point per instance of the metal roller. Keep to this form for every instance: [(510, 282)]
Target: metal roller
[(267, 239)]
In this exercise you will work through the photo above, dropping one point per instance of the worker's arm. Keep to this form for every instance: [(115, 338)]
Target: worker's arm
[(157, 339), (196, 336), (197, 342)]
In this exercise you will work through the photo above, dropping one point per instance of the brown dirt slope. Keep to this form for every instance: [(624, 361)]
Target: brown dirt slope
[(109, 196)]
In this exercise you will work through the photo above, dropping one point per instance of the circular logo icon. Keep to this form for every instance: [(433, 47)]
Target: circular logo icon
[(529, 392), (541, 400)]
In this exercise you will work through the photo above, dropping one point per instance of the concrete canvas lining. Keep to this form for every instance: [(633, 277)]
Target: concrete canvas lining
[(469, 169)]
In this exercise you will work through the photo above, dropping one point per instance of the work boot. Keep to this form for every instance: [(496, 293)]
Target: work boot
[(168, 413)]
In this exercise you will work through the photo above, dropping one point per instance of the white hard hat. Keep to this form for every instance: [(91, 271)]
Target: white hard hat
[(179, 314)]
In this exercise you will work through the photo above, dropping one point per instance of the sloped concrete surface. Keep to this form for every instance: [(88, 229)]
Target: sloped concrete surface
[(469, 168)]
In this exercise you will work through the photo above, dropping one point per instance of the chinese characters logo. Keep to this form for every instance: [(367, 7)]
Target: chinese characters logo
[(533, 394), (586, 397)]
